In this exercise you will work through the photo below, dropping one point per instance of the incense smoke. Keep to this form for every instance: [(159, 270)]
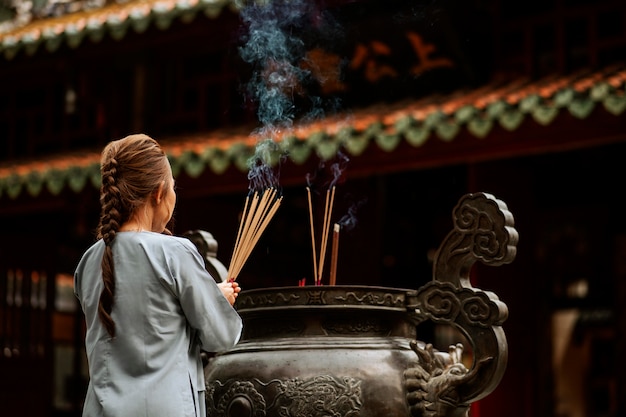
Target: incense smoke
[(337, 168), (349, 220), (260, 172), (276, 42), (274, 52), (273, 48), (278, 35)]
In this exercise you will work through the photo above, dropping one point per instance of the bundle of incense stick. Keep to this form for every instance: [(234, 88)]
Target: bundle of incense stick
[(318, 267), (257, 213)]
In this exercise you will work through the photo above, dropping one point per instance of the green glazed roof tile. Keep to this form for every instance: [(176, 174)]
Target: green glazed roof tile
[(112, 19)]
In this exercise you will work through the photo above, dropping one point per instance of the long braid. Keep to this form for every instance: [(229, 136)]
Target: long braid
[(110, 222)]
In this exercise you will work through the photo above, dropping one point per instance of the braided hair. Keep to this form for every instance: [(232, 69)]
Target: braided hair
[(132, 169)]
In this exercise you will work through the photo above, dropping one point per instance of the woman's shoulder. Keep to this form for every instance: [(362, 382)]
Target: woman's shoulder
[(95, 249), (167, 242)]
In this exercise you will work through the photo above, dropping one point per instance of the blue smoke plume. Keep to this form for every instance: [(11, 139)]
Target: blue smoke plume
[(274, 50)]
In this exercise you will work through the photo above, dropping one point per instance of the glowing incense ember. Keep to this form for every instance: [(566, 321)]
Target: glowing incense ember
[(258, 211)]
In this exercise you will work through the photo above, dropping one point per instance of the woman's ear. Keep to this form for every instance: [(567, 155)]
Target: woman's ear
[(158, 195)]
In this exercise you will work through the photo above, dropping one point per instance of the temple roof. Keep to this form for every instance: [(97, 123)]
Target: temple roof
[(114, 20), (507, 105)]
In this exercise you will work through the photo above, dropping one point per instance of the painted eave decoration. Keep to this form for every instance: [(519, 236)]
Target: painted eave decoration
[(386, 125), (114, 20)]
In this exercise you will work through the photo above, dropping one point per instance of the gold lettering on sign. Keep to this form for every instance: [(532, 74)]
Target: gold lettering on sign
[(423, 51), (366, 57), (369, 59)]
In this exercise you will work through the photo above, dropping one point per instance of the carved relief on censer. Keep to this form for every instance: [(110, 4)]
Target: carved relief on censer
[(347, 351)]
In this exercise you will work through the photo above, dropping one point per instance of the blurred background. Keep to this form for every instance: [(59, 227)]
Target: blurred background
[(403, 106)]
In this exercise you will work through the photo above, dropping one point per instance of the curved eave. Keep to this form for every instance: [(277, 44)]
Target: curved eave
[(114, 20), (386, 126)]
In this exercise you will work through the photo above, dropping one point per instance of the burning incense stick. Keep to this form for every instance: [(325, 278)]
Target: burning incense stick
[(325, 229), (257, 214), (308, 190), (334, 254)]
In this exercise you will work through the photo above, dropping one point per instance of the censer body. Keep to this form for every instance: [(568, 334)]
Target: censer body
[(316, 351), (347, 351)]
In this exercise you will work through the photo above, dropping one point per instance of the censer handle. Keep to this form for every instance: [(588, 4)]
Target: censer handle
[(483, 231)]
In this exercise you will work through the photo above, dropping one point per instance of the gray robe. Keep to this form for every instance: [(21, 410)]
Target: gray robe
[(166, 308)]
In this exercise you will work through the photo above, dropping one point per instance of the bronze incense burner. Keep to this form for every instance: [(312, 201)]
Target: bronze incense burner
[(347, 351)]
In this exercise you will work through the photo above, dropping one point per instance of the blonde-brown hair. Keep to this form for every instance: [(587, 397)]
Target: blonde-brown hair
[(132, 169)]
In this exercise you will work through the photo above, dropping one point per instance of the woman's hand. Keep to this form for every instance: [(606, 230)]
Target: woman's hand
[(230, 290)]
